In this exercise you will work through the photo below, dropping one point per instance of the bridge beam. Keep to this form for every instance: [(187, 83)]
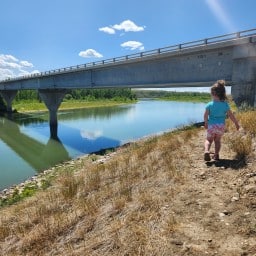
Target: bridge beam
[(243, 88), (52, 99), (9, 96)]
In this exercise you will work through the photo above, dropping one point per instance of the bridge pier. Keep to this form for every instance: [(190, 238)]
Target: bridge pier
[(52, 99), (243, 88), (9, 96), (244, 93)]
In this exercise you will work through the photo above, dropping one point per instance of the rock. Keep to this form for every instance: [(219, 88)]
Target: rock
[(234, 198), (226, 212), (176, 242), (221, 214)]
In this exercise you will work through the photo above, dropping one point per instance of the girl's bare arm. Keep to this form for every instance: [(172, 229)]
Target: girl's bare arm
[(233, 119), (206, 113)]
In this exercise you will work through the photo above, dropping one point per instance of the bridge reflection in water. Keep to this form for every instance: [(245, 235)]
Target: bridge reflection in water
[(38, 155), (27, 137)]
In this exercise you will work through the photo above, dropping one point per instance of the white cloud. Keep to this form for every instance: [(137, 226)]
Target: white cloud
[(91, 135), (90, 53), (35, 71), (11, 66), (133, 45), (5, 73), (6, 64), (107, 30), (8, 57), (126, 26), (24, 72), (25, 63)]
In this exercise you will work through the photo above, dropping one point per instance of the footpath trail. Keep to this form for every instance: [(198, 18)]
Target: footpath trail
[(218, 203)]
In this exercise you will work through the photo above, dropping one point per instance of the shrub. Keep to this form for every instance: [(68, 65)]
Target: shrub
[(241, 145), (248, 121)]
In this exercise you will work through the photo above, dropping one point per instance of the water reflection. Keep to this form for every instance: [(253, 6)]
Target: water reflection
[(28, 145), (81, 141), (102, 113), (38, 155)]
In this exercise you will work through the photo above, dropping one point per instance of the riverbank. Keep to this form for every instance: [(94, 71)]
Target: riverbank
[(35, 106), (174, 95), (155, 196)]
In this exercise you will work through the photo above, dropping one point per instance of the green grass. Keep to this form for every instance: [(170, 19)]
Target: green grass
[(174, 96), (187, 96), (28, 191), (29, 106)]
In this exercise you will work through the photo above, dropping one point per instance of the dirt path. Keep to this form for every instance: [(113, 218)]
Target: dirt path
[(218, 203)]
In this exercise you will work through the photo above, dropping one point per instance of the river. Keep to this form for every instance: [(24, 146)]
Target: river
[(26, 147)]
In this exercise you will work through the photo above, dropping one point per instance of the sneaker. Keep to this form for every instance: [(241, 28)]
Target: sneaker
[(207, 156), (216, 157)]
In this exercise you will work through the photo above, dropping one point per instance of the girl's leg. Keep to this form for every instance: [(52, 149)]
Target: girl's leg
[(217, 144), (207, 145), (208, 142)]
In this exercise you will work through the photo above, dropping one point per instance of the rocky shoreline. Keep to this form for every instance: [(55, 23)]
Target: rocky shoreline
[(37, 180), (34, 181)]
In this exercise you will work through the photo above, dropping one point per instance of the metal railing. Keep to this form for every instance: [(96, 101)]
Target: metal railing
[(139, 55)]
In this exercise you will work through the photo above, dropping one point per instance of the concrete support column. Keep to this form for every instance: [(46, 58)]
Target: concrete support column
[(244, 93), (52, 99), (9, 96), (244, 74)]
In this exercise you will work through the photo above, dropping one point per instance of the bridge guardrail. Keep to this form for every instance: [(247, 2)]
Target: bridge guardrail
[(154, 52)]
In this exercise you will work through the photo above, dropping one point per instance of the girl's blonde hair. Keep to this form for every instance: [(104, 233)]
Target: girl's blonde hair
[(219, 90)]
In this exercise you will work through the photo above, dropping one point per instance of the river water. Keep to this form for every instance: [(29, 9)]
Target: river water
[(26, 147)]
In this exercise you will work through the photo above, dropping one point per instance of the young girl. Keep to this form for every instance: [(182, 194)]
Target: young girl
[(214, 119)]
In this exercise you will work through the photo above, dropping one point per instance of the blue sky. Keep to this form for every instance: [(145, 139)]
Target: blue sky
[(41, 35)]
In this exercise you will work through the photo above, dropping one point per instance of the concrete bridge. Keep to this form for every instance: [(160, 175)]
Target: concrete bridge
[(193, 64)]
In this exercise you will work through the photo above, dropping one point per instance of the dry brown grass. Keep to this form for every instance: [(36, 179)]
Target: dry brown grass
[(248, 121), (241, 142), (124, 187), (138, 202)]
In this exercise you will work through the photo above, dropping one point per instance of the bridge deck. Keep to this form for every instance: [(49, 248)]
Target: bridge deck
[(156, 53)]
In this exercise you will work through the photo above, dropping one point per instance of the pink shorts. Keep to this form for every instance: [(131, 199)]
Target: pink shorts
[(215, 130)]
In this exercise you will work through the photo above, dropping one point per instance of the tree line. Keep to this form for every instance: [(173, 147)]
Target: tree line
[(82, 94), (174, 95), (124, 94)]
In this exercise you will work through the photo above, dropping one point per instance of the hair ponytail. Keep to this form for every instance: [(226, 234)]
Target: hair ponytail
[(219, 89)]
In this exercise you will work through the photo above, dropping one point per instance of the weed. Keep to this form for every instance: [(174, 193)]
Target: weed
[(68, 185), (171, 224), (93, 179), (241, 145), (119, 204), (5, 230), (248, 122)]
